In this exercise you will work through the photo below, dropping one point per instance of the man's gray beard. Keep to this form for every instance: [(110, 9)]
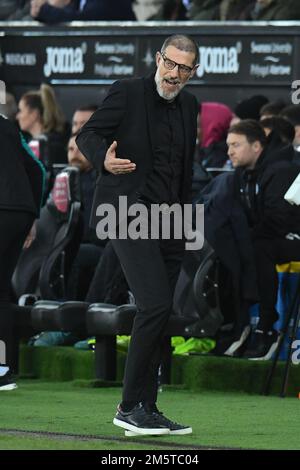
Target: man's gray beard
[(166, 96)]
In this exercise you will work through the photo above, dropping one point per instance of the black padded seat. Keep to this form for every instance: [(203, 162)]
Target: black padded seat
[(106, 319), (71, 316), (110, 320), (49, 315), (43, 315)]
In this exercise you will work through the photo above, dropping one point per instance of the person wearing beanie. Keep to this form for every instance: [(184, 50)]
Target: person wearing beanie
[(250, 107)]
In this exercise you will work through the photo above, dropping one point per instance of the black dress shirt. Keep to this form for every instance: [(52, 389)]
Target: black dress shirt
[(163, 183)]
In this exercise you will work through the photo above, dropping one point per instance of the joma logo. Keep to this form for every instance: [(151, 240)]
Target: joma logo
[(219, 60), (64, 60)]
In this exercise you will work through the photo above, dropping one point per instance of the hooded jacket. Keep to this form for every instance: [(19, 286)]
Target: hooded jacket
[(214, 123), (262, 189)]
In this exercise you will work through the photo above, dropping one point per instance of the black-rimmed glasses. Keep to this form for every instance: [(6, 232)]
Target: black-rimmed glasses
[(171, 64)]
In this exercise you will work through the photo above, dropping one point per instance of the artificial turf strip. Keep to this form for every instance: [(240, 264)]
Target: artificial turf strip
[(40, 443), (61, 363), (230, 420), (231, 374), (195, 372)]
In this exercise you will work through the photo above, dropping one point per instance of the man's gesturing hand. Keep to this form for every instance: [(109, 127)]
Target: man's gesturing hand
[(117, 166)]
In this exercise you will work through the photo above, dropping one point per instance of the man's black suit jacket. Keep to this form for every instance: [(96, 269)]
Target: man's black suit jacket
[(128, 115)]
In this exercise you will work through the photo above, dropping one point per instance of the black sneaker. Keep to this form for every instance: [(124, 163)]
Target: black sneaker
[(6, 382), (140, 421), (240, 340), (175, 429), (263, 345)]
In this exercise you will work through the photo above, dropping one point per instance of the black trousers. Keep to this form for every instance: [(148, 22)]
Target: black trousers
[(14, 227), (151, 268), (268, 253)]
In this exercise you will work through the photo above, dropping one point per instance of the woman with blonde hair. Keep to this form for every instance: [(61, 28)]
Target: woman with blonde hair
[(40, 115)]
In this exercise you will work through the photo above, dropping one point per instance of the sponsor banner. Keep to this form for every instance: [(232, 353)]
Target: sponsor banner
[(230, 58), (36, 59)]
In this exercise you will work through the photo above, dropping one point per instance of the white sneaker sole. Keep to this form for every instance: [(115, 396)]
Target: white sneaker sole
[(7, 387), (140, 431), (237, 344), (268, 356), (179, 432)]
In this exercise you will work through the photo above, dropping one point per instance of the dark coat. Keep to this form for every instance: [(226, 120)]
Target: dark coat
[(128, 115), (262, 192), (21, 175), (101, 10), (226, 230)]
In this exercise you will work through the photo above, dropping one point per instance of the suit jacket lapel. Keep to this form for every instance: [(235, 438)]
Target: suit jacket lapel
[(186, 120)]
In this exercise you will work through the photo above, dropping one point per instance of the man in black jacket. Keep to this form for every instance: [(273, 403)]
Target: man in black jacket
[(149, 127), (60, 11), (21, 192), (264, 173)]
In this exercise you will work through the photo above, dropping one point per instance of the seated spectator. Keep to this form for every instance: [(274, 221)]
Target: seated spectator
[(171, 10), (231, 10), (283, 128), (40, 116), (271, 109), (214, 120), (214, 123), (292, 114), (58, 11), (249, 108), (270, 10), (81, 116), (241, 208), (265, 172), (204, 10)]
